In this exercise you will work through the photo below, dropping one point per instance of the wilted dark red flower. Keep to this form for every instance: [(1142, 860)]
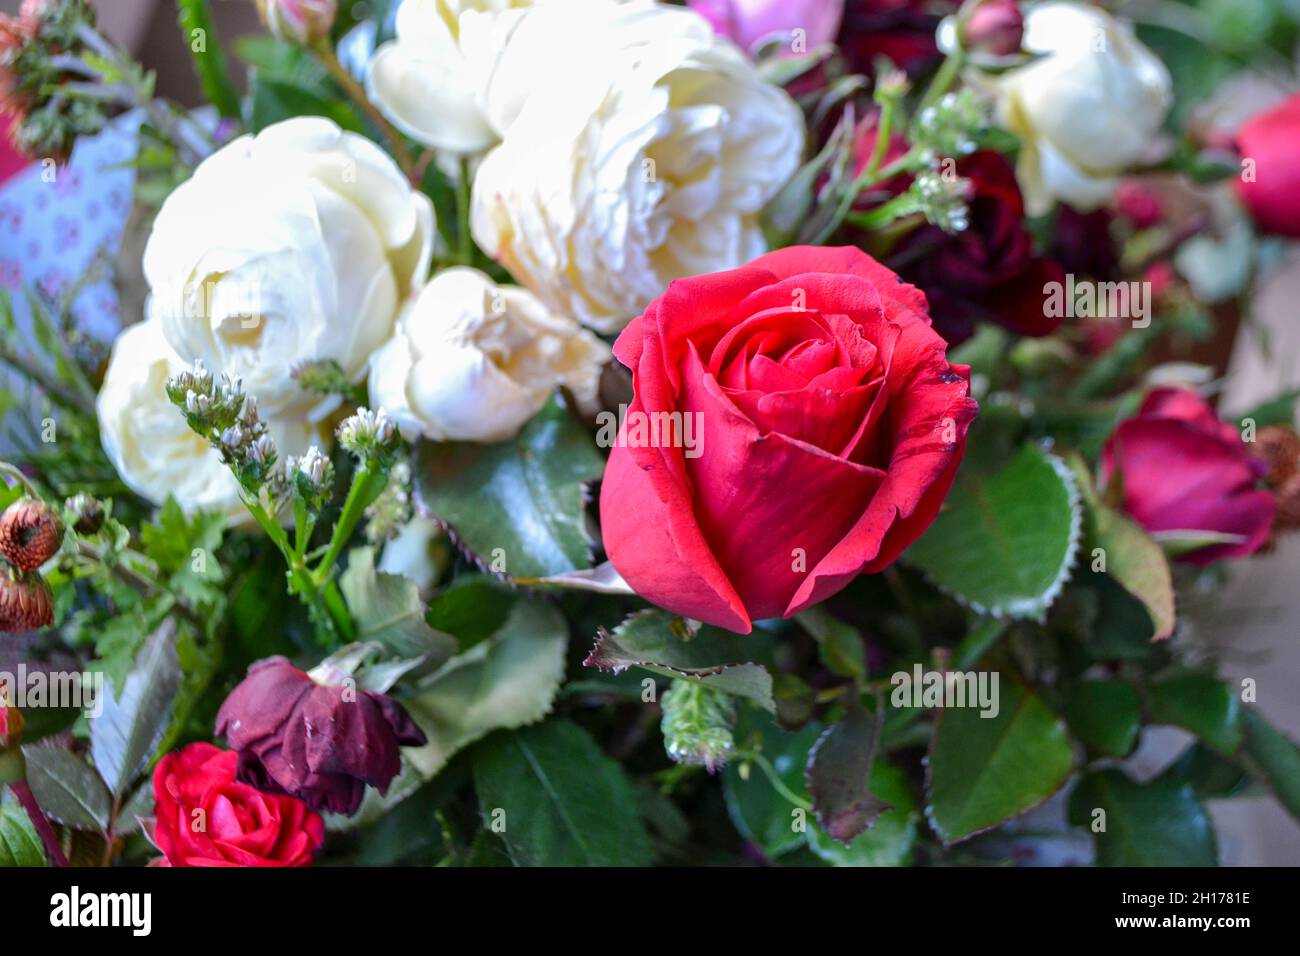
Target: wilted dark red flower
[(203, 816), (30, 534), (1181, 469), (900, 30), (26, 603), (321, 743)]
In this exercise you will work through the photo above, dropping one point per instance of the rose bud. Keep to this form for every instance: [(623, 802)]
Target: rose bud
[(26, 602), (995, 28), (1269, 183), (1139, 204), (205, 817), (30, 534), (298, 21), (319, 742), (1180, 469), (821, 426)]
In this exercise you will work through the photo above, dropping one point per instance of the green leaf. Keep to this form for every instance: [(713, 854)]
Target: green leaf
[(1277, 756), (759, 811), (890, 841), (839, 773), (273, 101), (68, 789), (1199, 703), (839, 645), (388, 611), (1005, 542), (985, 770), (472, 608), (19, 844), (560, 801), (518, 505), (1210, 775), (124, 736), (1131, 556), (184, 547), (506, 681), (209, 63), (1157, 824), (659, 643), (1104, 714)]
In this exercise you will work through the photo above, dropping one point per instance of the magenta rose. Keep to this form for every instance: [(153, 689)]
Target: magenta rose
[(1180, 469)]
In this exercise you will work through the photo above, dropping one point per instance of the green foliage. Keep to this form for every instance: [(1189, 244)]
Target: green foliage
[(1160, 823), (890, 840), (1104, 714), (557, 800), (518, 505), (19, 844), (388, 611), (1005, 542), (984, 771)]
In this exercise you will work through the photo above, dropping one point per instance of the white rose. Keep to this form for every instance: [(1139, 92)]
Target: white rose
[(473, 361), (1085, 110), (441, 81), (296, 244), (149, 443), (644, 156)]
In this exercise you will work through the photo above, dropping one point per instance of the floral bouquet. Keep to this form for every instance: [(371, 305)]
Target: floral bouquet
[(585, 432)]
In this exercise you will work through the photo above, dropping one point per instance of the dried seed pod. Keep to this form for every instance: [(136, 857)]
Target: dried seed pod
[(87, 513), (26, 602), (30, 534)]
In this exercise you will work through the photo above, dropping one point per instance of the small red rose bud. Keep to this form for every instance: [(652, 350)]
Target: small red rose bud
[(996, 28), (1139, 204), (30, 534), (26, 602)]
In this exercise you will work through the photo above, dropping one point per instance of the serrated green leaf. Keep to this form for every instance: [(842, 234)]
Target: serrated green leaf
[(124, 736), (985, 770), (719, 659), (1157, 824), (388, 611), (19, 844), (1105, 714), (558, 800), (68, 789), (1200, 703), (1005, 542), (889, 842), (517, 505), (506, 681), (838, 775)]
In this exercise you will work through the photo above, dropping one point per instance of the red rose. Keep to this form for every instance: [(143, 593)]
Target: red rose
[(1182, 469), (205, 817), (321, 743), (828, 427), (1271, 141)]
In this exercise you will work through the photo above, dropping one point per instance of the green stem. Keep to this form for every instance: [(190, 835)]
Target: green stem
[(13, 472), (775, 779), (465, 251), (366, 487)]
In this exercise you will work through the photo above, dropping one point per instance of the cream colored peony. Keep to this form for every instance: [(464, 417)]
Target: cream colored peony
[(443, 80), (473, 361), (296, 244), (149, 443), (644, 152), (1086, 109)]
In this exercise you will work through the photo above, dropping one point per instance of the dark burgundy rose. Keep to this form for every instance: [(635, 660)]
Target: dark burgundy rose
[(1083, 245), (987, 273), (900, 30), (321, 743)]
